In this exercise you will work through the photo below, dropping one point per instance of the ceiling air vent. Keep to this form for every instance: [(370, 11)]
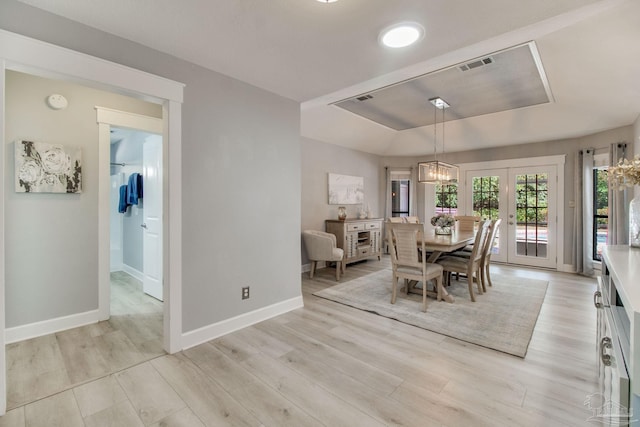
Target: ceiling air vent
[(364, 97), (475, 64)]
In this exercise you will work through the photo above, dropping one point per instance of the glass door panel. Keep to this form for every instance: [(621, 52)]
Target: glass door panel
[(532, 218), (488, 198)]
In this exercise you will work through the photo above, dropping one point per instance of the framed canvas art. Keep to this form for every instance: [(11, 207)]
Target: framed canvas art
[(47, 168), (345, 189)]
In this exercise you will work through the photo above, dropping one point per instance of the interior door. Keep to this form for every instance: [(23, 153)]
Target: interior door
[(152, 225)]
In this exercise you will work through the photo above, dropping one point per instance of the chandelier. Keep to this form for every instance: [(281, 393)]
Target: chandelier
[(436, 171)]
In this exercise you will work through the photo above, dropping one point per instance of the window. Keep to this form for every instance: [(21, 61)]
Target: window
[(486, 197), (447, 199), (600, 211), (400, 197)]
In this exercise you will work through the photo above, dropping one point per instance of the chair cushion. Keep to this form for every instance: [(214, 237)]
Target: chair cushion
[(453, 262)]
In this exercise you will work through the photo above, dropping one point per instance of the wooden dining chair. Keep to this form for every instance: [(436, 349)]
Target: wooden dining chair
[(467, 223), (470, 266), (406, 262), (487, 251), (412, 220)]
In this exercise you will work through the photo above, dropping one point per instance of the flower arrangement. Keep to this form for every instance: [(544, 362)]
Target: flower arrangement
[(443, 220), (626, 173)]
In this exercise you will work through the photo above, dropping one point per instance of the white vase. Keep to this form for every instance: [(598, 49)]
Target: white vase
[(443, 230), (634, 222)]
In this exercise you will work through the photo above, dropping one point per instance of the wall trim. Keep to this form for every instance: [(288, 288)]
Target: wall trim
[(133, 272), (50, 326), (215, 330)]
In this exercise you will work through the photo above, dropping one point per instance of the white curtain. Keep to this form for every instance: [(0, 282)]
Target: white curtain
[(618, 202), (387, 196), (413, 197), (583, 213)]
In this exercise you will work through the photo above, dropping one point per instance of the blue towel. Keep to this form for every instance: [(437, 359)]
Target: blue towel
[(122, 204), (134, 189)]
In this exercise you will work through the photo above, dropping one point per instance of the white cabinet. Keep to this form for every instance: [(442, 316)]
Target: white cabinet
[(617, 300)]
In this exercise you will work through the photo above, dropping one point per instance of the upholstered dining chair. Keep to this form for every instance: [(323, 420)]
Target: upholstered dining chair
[(406, 262), (470, 266), (322, 246)]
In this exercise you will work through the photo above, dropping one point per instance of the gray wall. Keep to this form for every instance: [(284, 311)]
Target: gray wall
[(241, 174), (320, 159), (569, 147), (51, 239)]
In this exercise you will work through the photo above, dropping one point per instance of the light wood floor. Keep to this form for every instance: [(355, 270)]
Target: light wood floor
[(46, 365), (331, 365)]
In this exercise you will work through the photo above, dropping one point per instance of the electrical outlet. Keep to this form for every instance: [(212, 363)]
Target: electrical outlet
[(245, 292)]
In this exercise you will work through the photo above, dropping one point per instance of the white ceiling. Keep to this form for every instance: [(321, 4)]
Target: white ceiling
[(318, 53)]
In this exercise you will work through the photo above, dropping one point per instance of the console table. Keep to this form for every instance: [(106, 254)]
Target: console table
[(359, 238)]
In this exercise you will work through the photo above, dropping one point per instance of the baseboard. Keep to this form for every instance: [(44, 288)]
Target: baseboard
[(117, 267), (566, 268), (132, 271), (45, 327), (207, 333), (305, 268)]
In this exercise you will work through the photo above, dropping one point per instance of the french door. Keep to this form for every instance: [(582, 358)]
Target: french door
[(526, 199)]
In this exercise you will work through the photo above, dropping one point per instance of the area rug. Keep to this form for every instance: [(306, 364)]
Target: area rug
[(502, 319)]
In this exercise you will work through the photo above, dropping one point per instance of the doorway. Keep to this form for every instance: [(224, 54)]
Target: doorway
[(136, 207), (29, 55), (526, 197)]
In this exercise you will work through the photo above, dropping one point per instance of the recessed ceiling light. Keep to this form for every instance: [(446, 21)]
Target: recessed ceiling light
[(402, 34), (327, 1)]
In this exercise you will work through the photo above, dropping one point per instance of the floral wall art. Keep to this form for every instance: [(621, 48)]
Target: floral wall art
[(47, 168)]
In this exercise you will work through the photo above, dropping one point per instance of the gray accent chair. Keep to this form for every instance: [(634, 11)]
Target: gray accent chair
[(322, 246)]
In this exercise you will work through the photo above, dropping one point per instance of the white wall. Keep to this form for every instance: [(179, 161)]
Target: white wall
[(241, 173), (51, 239)]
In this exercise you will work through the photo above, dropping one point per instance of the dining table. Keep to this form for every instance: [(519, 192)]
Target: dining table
[(438, 244)]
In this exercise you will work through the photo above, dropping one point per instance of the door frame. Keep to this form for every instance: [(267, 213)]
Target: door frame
[(27, 55), (557, 160), (106, 118)]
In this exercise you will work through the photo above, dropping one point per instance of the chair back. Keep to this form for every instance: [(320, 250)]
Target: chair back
[(490, 240), (479, 242), (319, 244), (412, 220), (403, 244), (467, 223), (395, 219)]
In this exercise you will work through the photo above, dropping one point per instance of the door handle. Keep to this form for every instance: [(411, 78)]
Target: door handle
[(143, 225), (597, 295)]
